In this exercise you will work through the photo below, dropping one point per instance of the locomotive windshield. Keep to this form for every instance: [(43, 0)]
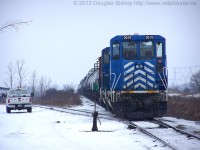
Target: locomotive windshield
[(129, 50), (146, 50)]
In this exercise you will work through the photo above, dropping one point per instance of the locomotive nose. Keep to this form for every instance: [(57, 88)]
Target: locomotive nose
[(139, 76)]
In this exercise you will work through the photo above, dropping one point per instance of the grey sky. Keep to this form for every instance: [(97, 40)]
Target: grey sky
[(64, 40)]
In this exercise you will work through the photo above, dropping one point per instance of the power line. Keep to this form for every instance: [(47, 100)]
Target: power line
[(182, 75)]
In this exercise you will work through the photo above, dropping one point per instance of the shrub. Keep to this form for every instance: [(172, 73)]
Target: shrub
[(66, 97), (184, 107)]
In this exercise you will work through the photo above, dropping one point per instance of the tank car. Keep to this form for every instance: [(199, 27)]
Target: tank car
[(130, 77)]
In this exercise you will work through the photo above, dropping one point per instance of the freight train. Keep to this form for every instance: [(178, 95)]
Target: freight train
[(130, 77)]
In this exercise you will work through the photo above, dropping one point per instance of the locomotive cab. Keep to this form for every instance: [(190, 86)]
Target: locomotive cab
[(138, 64)]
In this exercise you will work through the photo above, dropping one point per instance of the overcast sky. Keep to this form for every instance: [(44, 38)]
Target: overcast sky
[(65, 38)]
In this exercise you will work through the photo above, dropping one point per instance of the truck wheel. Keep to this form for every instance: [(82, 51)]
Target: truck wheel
[(29, 110), (8, 110)]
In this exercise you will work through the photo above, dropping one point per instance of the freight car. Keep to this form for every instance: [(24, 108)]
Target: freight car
[(130, 77)]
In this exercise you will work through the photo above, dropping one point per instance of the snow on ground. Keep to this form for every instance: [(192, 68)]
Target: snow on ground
[(145, 124), (177, 140), (189, 126), (181, 95), (174, 94), (195, 95), (45, 129)]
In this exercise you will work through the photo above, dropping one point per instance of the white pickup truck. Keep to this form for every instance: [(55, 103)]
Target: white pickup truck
[(18, 99)]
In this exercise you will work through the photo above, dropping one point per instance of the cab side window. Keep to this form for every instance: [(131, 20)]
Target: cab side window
[(159, 49), (115, 53), (106, 58)]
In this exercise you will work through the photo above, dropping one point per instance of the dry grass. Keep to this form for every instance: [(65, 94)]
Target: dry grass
[(59, 98), (184, 107)]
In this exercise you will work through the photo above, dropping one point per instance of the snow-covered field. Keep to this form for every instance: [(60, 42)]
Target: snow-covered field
[(45, 129)]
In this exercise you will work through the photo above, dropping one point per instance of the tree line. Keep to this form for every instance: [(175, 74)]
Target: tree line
[(17, 76), (193, 87)]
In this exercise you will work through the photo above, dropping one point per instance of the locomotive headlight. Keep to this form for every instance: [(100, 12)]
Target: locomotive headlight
[(141, 66), (137, 66)]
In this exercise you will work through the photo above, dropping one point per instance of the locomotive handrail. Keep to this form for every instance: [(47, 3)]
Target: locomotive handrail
[(114, 79), (117, 81), (111, 90), (114, 85), (165, 68), (164, 81)]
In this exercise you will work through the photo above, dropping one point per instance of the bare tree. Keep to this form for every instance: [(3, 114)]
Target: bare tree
[(10, 75), (195, 81), (21, 72), (14, 25), (41, 86), (44, 84), (33, 81), (69, 88)]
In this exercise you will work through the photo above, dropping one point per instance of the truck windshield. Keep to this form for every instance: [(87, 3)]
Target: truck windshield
[(18, 92), (146, 50)]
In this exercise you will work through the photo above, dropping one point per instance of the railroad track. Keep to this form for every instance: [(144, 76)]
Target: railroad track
[(86, 113), (133, 125), (170, 136), (176, 129)]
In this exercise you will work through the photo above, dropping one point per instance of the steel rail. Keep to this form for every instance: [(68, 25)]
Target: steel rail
[(150, 134), (176, 129)]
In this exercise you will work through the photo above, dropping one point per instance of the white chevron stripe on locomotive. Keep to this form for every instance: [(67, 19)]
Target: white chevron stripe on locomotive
[(128, 77), (141, 85), (148, 70), (149, 64), (129, 70), (140, 71), (129, 83), (139, 78), (150, 84), (151, 78), (128, 64)]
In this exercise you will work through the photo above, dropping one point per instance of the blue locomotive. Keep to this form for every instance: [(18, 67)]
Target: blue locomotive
[(130, 78)]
